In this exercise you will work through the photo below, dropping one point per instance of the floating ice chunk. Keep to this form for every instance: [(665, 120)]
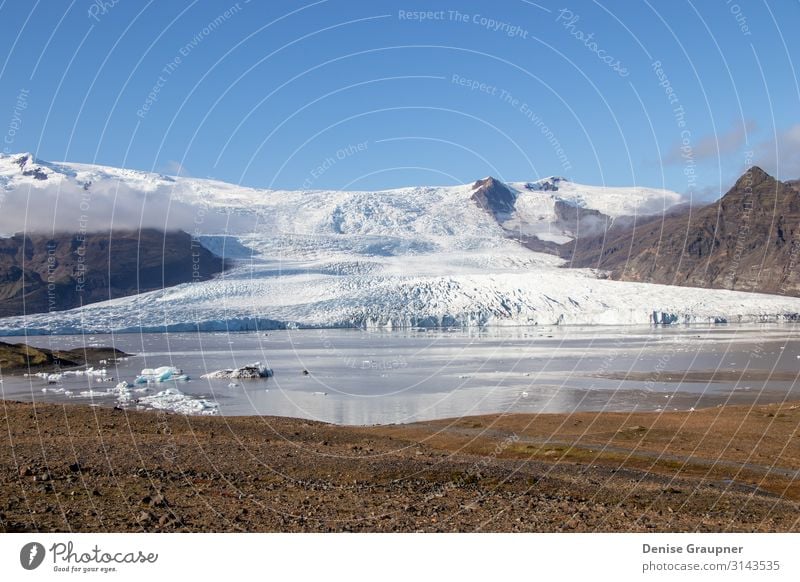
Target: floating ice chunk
[(233, 385), (86, 372), (256, 370), (93, 393), (161, 374), (319, 393), (122, 392), (173, 400)]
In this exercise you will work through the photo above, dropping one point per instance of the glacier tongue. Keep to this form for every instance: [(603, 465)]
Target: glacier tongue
[(425, 256), (263, 297)]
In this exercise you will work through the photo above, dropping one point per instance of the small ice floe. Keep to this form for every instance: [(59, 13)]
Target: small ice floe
[(123, 392), (233, 385), (251, 371), (94, 393), (524, 394), (53, 391), (173, 400), (319, 393), (87, 372), (161, 374)]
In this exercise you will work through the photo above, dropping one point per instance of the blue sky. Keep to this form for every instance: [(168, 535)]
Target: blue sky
[(366, 95)]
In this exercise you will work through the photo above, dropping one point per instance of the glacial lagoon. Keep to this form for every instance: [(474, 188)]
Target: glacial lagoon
[(360, 377)]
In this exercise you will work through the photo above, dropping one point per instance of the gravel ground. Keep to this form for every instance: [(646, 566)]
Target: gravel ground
[(79, 468)]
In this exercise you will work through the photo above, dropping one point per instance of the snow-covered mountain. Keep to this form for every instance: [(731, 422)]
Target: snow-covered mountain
[(417, 256), (555, 209)]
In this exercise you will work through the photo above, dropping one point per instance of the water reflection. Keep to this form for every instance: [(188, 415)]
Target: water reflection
[(368, 377)]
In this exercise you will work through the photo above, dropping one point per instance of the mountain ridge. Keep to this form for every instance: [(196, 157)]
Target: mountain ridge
[(42, 273), (747, 241)]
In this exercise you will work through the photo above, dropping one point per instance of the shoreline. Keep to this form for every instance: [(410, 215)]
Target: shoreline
[(781, 319), (81, 468), (250, 417)]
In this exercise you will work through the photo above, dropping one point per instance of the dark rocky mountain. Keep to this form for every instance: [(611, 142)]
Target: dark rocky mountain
[(748, 241), (41, 273), (494, 197)]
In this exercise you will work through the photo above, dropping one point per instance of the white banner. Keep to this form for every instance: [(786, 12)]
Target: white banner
[(374, 557)]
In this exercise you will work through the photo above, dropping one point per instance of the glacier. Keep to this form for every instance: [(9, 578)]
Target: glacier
[(407, 257)]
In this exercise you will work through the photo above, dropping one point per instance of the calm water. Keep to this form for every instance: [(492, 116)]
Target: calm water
[(361, 377)]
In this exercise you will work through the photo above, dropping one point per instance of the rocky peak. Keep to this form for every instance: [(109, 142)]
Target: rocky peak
[(753, 176), (494, 196)]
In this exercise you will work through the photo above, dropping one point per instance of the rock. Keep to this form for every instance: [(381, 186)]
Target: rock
[(145, 517)]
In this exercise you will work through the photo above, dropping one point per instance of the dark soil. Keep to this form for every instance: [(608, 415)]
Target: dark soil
[(77, 468)]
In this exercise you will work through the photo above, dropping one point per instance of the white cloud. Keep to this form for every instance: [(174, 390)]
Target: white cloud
[(713, 146), (67, 207)]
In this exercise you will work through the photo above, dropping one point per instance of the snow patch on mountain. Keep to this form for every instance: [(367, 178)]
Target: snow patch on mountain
[(536, 209)]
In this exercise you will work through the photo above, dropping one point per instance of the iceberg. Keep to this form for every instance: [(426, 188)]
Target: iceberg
[(161, 374), (251, 371)]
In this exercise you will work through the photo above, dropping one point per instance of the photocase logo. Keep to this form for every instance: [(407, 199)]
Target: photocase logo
[(31, 555)]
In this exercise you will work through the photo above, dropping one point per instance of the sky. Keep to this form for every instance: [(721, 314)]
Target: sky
[(335, 94)]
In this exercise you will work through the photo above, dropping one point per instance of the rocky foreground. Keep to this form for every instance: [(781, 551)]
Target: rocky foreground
[(76, 468)]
